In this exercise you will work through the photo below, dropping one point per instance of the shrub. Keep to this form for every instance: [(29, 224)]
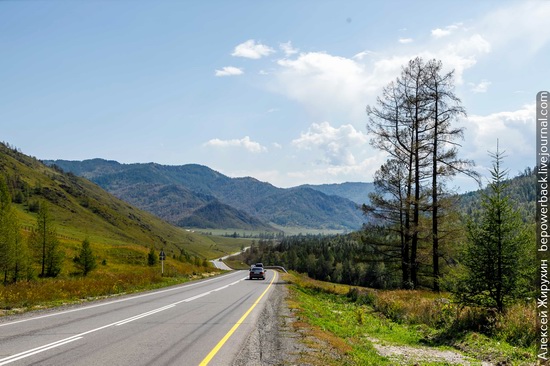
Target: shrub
[(517, 325), (362, 296)]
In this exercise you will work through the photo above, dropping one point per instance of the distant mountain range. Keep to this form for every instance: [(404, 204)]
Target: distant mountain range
[(354, 191), (197, 196)]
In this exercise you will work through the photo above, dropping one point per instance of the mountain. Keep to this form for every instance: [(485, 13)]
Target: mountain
[(196, 190), (217, 214), (296, 206), (158, 189), (354, 191), (82, 209)]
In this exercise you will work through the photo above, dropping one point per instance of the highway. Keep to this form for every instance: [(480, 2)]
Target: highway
[(199, 323)]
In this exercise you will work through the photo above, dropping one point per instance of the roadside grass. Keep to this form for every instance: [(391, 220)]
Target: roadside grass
[(120, 235), (51, 292), (220, 246), (351, 320), (121, 269), (236, 264)]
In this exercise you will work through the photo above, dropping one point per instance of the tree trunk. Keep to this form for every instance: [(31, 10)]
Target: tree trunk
[(435, 221)]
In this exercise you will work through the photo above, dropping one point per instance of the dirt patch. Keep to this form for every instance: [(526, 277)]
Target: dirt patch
[(282, 339), (406, 355)]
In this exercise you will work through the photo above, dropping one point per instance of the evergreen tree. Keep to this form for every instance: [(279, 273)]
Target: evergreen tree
[(152, 257), (13, 257), (497, 243), (45, 243), (85, 261)]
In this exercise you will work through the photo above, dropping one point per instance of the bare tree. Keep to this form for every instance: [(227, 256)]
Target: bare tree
[(445, 108), (400, 125), (413, 122)]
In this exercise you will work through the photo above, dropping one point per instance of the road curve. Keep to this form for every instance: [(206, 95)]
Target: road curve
[(219, 264), (199, 323)]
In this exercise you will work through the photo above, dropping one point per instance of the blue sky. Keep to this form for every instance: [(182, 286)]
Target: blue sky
[(275, 90)]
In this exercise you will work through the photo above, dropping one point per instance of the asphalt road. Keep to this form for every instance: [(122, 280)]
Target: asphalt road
[(199, 323)]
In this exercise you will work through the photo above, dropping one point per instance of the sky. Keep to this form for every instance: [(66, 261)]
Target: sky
[(275, 90)]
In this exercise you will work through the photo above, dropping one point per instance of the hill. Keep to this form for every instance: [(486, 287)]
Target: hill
[(82, 209), (521, 189), (194, 187), (357, 192)]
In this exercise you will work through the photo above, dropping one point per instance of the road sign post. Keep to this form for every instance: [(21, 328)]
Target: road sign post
[(162, 257)]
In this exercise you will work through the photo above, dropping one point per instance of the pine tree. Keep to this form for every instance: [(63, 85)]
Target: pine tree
[(85, 261), (45, 243), (495, 248), (152, 257)]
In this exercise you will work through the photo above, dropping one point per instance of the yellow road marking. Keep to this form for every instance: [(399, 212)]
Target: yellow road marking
[(220, 344)]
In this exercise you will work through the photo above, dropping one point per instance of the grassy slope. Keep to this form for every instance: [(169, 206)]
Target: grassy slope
[(346, 332), (82, 209), (120, 236)]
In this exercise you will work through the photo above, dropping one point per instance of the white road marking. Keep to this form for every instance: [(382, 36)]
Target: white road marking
[(34, 351), (111, 302), (25, 354)]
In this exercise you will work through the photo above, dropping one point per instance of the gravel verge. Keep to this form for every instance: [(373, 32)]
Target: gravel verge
[(273, 342)]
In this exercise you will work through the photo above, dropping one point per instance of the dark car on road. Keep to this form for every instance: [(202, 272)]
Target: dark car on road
[(257, 272)]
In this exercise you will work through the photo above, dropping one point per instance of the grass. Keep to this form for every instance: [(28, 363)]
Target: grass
[(255, 234), (120, 235), (236, 264), (297, 230), (124, 270), (227, 232), (351, 321)]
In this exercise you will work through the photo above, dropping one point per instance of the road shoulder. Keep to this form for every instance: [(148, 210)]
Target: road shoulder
[(273, 342)]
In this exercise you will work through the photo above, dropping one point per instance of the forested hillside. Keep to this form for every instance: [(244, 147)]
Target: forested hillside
[(521, 189), (356, 259), (191, 188)]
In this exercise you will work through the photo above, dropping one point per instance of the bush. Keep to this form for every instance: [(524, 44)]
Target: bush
[(34, 206), (477, 319), (517, 325), (362, 296)]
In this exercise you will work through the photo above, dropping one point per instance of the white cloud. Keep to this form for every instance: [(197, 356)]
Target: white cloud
[(405, 40), (520, 27), (439, 33), (245, 143), (481, 87), (361, 55), (332, 86), (324, 83), (362, 171), (337, 144), (251, 49), (515, 131), (288, 49), (474, 45), (229, 71), (444, 32)]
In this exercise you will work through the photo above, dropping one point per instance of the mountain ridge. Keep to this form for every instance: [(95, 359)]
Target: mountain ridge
[(262, 200), (82, 209), (357, 192)]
